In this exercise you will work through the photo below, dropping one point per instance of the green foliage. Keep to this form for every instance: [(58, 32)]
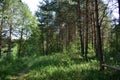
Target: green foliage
[(54, 67), (10, 67), (112, 56), (53, 34)]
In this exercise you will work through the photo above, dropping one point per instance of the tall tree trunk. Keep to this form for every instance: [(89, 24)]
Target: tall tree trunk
[(100, 53), (0, 40), (61, 38), (117, 29), (42, 43), (67, 37), (58, 40), (1, 25), (119, 10), (95, 39), (94, 28), (47, 43), (20, 43), (9, 39), (86, 42), (92, 24), (117, 42), (80, 28)]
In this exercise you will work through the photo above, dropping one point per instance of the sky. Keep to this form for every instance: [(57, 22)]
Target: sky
[(114, 7), (32, 4)]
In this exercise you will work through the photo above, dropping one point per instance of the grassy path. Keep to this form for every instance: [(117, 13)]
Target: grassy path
[(57, 67)]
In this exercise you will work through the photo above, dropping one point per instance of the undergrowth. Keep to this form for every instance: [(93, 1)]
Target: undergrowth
[(54, 67)]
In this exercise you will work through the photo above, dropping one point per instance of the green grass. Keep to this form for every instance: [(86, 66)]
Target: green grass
[(54, 67)]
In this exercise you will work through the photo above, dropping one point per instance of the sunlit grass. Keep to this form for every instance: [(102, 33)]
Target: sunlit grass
[(54, 67)]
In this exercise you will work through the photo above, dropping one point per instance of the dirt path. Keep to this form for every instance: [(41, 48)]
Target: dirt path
[(21, 74)]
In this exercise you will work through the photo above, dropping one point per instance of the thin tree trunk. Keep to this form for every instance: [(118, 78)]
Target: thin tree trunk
[(94, 28), (1, 25), (80, 29), (47, 44), (0, 40), (95, 39), (58, 40), (117, 29), (86, 42), (9, 40), (116, 32), (119, 10), (20, 43), (92, 23), (42, 43), (61, 38), (100, 53), (66, 37)]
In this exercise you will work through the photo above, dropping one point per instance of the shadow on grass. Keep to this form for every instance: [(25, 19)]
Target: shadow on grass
[(113, 58), (51, 61), (56, 67), (42, 71), (11, 67), (79, 75)]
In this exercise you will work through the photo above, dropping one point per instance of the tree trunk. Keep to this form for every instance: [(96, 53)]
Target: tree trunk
[(92, 26), (1, 25), (61, 38), (20, 43), (119, 10), (47, 43), (9, 40), (117, 29), (67, 37), (80, 28), (95, 40), (42, 43), (0, 41), (100, 53), (86, 42)]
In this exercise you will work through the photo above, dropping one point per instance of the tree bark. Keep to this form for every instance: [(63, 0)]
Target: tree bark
[(47, 43), (99, 46), (86, 42), (119, 10), (80, 28), (9, 39), (1, 25), (20, 43), (0, 41)]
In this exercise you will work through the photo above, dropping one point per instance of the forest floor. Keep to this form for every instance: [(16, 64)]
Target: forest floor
[(54, 67)]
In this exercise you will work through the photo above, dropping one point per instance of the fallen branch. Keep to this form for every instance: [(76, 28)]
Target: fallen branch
[(111, 67)]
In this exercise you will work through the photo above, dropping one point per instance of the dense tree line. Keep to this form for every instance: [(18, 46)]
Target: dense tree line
[(75, 21)]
